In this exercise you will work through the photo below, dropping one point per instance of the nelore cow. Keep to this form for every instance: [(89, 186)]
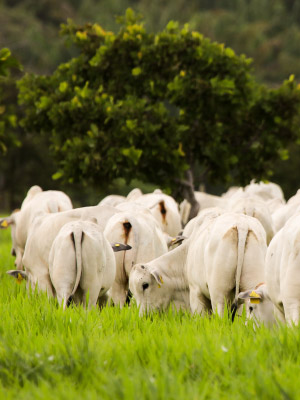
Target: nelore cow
[(223, 256), (41, 237), (37, 202), (283, 274), (82, 263), (138, 228)]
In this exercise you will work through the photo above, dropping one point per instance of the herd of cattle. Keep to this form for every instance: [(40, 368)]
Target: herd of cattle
[(242, 248)]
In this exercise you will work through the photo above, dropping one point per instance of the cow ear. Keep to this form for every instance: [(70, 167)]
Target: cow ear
[(120, 247), (18, 274), (157, 277), (254, 296), (175, 240), (5, 222)]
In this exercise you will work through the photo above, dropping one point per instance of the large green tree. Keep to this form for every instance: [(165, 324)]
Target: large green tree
[(159, 107), (8, 119)]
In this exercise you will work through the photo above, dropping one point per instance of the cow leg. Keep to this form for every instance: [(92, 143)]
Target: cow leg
[(199, 303), (292, 311), (279, 315), (118, 294), (218, 301)]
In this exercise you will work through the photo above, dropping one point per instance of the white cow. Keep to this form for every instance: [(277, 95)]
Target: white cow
[(224, 255), (205, 200), (283, 271), (164, 209), (204, 215), (264, 190), (254, 207), (36, 202), (81, 262), (284, 213), (41, 236), (112, 200), (137, 227), (259, 306)]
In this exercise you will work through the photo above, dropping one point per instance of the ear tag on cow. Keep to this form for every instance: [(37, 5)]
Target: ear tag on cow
[(254, 294), (4, 224), (161, 280), (19, 278), (173, 240), (255, 301), (159, 286), (117, 244)]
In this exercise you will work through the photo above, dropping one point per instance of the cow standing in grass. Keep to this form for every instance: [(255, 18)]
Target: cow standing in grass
[(223, 256), (37, 202)]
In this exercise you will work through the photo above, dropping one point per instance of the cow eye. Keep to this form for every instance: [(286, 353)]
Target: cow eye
[(250, 309), (145, 286)]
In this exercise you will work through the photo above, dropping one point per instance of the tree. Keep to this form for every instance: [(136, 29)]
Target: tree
[(159, 108), (8, 119)]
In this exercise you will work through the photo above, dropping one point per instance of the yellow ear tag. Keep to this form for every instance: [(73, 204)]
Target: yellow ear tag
[(254, 301), (160, 278), (158, 286), (254, 294), (117, 244), (19, 278), (4, 224), (173, 240)]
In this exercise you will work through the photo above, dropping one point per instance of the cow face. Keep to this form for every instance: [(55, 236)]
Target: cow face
[(149, 289), (258, 305)]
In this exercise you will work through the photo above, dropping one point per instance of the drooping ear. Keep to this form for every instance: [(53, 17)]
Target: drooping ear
[(175, 240), (5, 222), (120, 246), (254, 295), (157, 277), (18, 274)]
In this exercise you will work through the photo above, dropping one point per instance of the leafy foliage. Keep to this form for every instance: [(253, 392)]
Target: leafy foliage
[(8, 118), (135, 104)]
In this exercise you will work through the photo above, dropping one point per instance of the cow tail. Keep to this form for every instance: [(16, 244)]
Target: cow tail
[(242, 237), (77, 238)]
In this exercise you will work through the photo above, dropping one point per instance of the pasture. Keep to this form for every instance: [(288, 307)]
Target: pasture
[(46, 353)]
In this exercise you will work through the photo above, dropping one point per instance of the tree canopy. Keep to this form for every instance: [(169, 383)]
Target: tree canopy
[(159, 107)]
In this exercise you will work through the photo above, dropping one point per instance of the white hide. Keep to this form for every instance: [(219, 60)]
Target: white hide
[(140, 230), (37, 202), (205, 200), (225, 254), (81, 263), (112, 200), (164, 209), (283, 271), (42, 234), (266, 191), (254, 207)]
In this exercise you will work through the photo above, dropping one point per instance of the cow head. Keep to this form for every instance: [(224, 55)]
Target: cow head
[(259, 306), (149, 289)]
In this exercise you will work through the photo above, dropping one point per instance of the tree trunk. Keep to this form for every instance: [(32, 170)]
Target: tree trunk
[(186, 189)]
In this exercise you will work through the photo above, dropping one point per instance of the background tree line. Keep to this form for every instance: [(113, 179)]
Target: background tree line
[(266, 30)]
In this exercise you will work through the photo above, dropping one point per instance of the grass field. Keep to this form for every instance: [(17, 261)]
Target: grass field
[(46, 353)]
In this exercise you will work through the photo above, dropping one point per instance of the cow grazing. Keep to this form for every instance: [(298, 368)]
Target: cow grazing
[(259, 306), (254, 207), (164, 209), (283, 271), (225, 254), (42, 234), (81, 262), (138, 228), (37, 202)]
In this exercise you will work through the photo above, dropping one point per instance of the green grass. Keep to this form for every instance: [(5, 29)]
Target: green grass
[(46, 353)]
